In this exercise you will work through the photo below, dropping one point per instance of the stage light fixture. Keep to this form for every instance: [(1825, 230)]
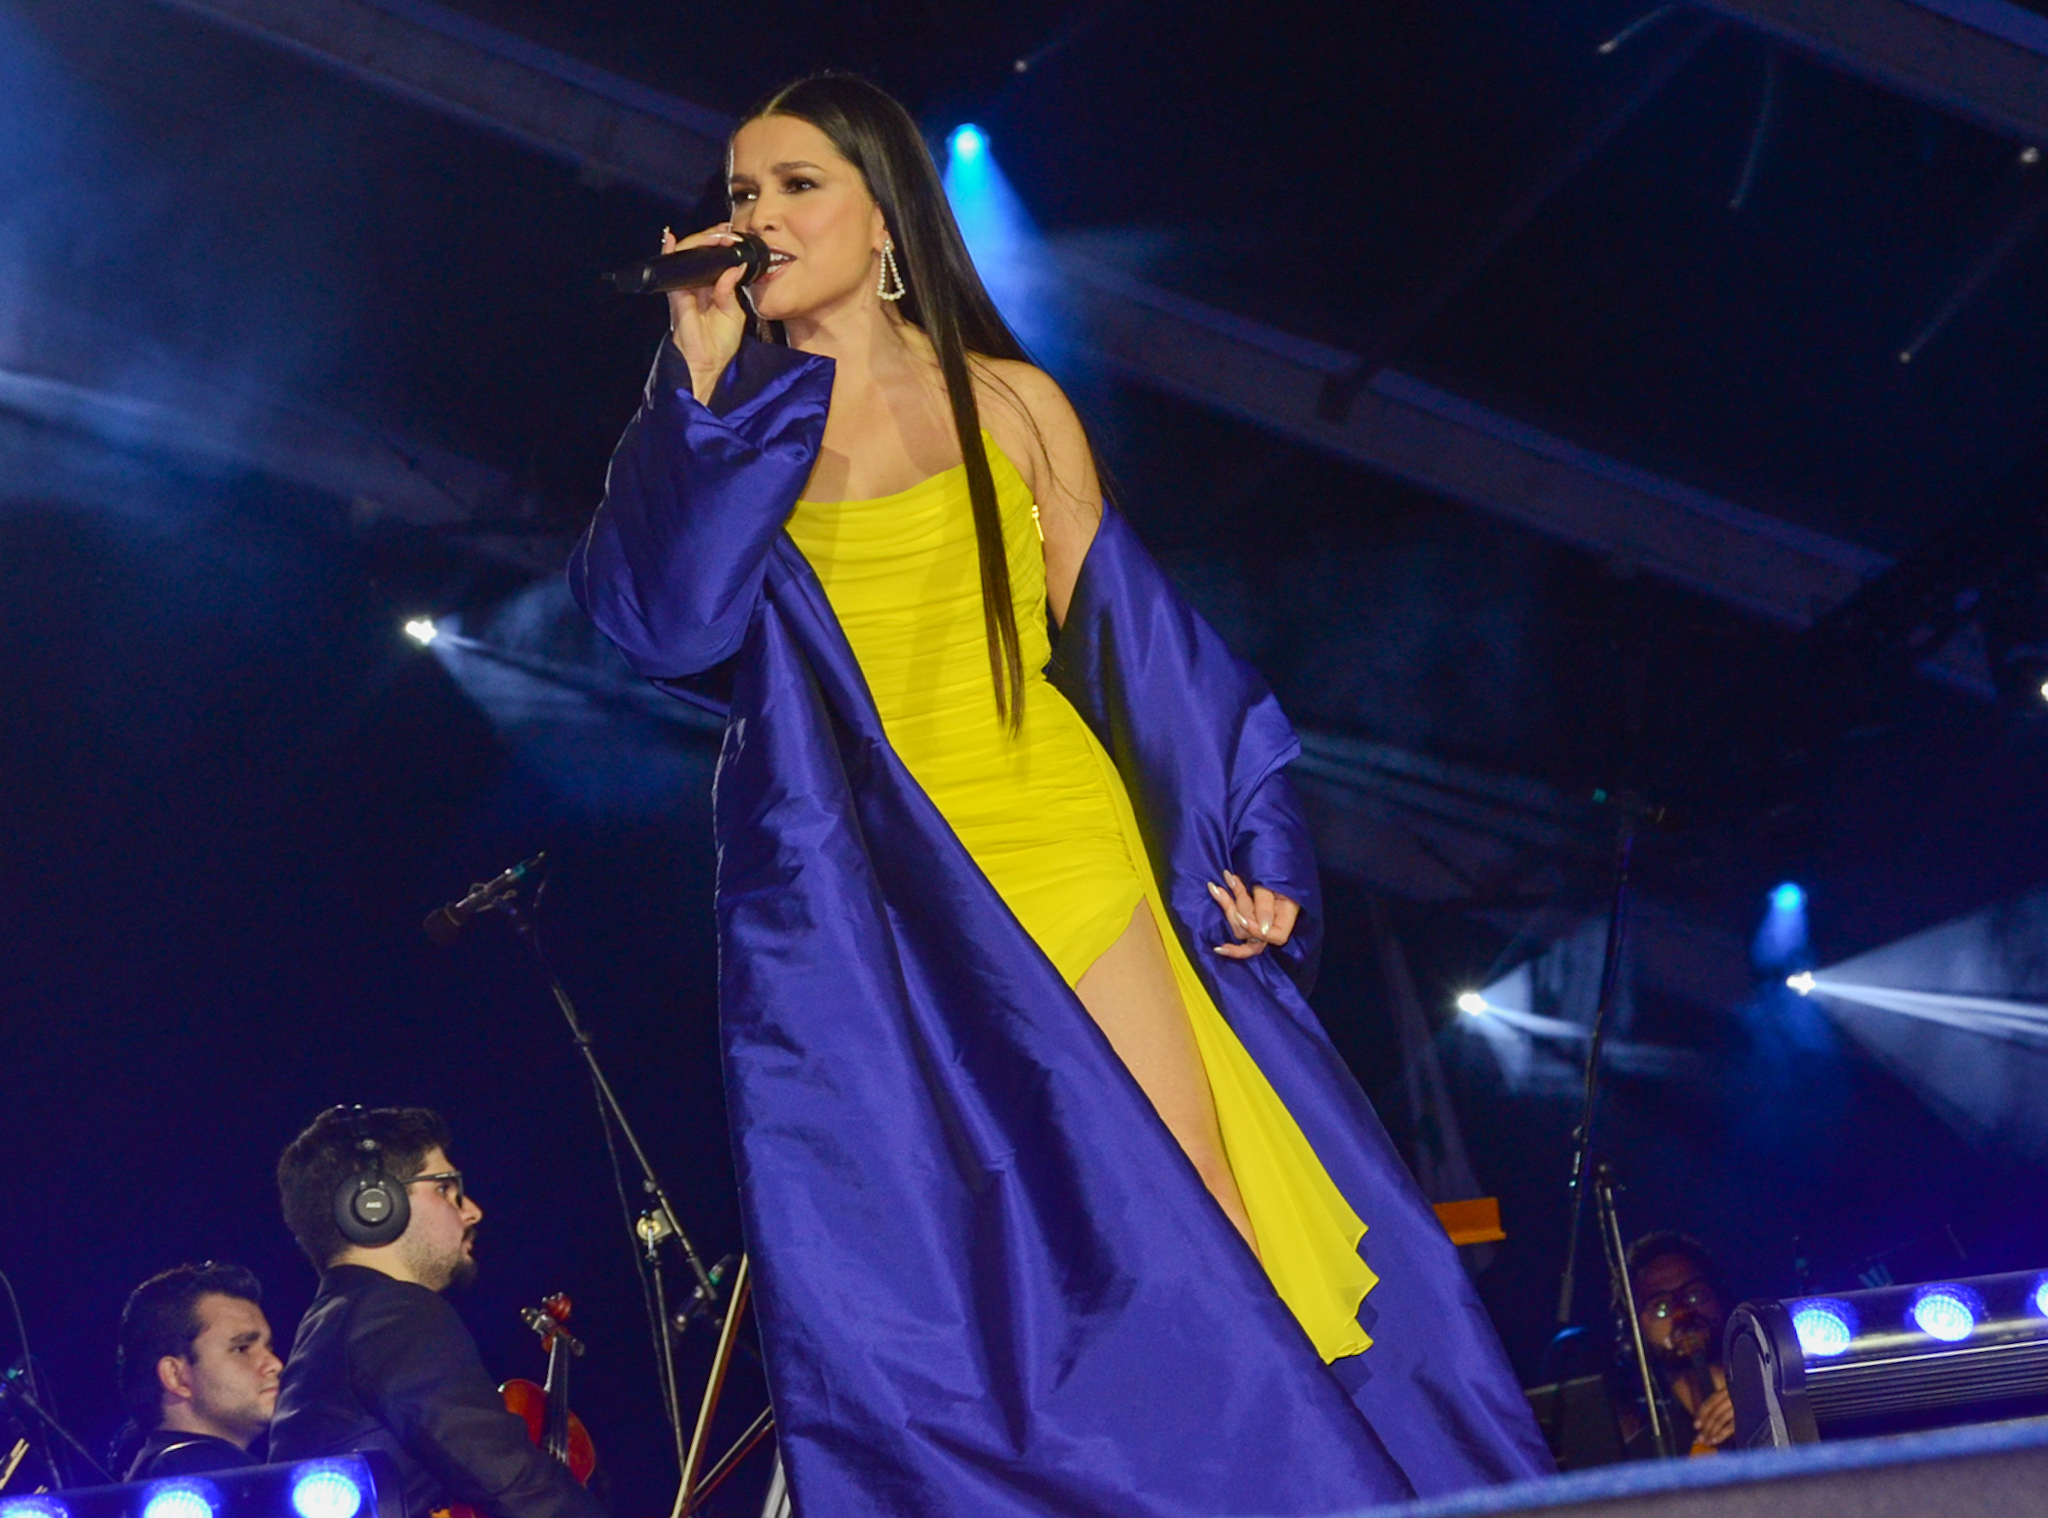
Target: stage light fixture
[(1788, 897), (1888, 1360), (967, 142), (38, 1506), (1471, 1003), (1802, 982), (347, 1486), (183, 1498), (326, 1489), (1824, 1326), (1948, 1313), (422, 630)]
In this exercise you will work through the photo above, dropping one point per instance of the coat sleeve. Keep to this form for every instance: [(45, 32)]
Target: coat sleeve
[(415, 1368), (671, 566), (1200, 741)]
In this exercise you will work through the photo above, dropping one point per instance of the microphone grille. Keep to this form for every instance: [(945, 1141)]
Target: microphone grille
[(442, 926)]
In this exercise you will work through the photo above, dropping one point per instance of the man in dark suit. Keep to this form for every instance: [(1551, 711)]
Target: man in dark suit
[(382, 1361), (197, 1372)]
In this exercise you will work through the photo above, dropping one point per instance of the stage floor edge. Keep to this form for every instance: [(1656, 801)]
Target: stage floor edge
[(1992, 1471)]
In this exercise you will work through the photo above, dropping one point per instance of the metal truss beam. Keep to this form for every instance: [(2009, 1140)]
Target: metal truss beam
[(1984, 59), (1421, 434), (1395, 423), (610, 128), (51, 379)]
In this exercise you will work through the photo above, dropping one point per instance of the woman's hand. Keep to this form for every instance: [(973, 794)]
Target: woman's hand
[(707, 322), (1257, 917)]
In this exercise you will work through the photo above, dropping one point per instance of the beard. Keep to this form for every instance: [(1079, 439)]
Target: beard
[(1690, 1337), (453, 1271)]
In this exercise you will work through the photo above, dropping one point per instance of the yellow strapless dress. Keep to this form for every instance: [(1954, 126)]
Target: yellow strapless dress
[(1045, 814)]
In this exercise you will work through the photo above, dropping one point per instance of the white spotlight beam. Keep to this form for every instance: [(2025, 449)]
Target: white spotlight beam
[(1994, 1017)]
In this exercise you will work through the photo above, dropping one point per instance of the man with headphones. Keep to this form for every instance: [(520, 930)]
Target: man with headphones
[(381, 1360)]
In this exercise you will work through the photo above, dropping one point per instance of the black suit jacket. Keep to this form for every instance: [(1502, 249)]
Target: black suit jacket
[(170, 1453), (387, 1365)]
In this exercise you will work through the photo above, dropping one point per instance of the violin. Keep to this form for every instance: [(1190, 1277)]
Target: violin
[(549, 1422)]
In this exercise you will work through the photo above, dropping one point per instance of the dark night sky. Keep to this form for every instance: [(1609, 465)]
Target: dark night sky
[(229, 789)]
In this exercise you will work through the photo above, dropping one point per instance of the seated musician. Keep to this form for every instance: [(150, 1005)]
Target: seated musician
[(1683, 1309), (197, 1373), (382, 1361)]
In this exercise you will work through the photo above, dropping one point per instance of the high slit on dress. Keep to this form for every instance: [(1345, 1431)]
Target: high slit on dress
[(1046, 816)]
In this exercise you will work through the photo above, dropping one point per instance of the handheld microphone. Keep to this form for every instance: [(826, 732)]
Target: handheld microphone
[(688, 267), (444, 923)]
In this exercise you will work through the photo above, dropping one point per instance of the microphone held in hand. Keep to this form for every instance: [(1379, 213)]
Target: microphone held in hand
[(688, 267), (444, 923)]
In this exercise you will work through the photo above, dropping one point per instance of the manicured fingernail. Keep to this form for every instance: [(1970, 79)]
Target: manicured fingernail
[(1265, 928)]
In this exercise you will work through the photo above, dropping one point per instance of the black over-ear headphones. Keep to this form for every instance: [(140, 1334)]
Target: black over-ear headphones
[(370, 1207)]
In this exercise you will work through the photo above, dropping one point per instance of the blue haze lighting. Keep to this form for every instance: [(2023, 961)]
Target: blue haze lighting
[(1781, 936), (326, 1489), (180, 1499), (1947, 1313), (1824, 1325), (1012, 259)]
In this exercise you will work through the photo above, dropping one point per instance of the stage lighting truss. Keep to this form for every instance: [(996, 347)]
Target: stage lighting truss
[(1867, 1362), (348, 1486)]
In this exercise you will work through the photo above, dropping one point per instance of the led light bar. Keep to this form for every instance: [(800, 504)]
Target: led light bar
[(348, 1486), (1900, 1357)]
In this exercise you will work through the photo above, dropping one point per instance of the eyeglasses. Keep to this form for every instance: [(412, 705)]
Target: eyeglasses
[(1692, 1294), (443, 1180)]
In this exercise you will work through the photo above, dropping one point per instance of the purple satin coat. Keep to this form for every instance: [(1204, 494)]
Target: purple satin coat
[(990, 1282)]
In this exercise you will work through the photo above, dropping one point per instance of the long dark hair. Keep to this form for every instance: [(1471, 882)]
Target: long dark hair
[(943, 295)]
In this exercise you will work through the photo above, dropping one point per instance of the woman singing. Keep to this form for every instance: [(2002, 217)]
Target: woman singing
[(1061, 1201)]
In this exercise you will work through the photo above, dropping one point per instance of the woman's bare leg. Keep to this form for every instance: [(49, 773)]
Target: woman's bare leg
[(1131, 993)]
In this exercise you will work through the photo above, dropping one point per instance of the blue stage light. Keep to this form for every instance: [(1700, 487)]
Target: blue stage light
[(1781, 941), (2040, 1297), (1947, 1313), (180, 1499), (33, 1507), (1825, 1326), (967, 142), (326, 1489)]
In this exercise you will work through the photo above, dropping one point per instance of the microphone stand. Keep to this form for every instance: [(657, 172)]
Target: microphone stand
[(658, 1223), (522, 922), (14, 1389), (1625, 1293), (1630, 810), (661, 1220), (1582, 1136)]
